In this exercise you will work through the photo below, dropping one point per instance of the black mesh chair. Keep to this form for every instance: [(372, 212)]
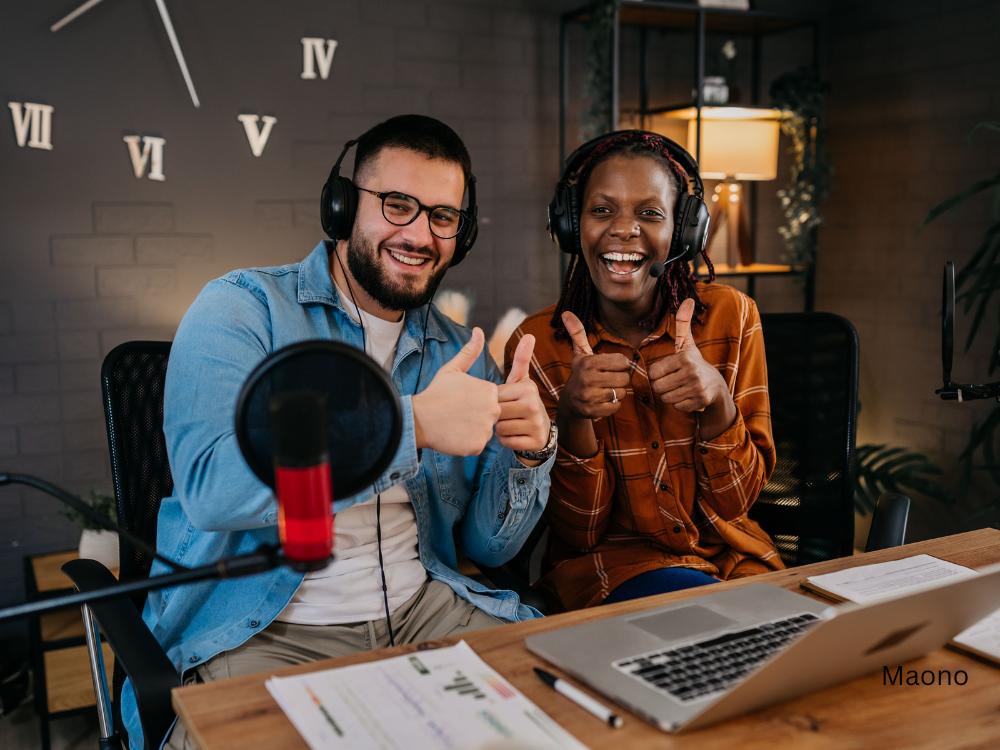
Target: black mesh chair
[(132, 382), (808, 505)]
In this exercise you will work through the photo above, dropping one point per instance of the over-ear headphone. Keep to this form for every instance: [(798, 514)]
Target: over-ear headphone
[(690, 213), (338, 206)]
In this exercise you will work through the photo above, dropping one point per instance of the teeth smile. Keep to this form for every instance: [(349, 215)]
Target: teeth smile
[(622, 264), (408, 260), (621, 256)]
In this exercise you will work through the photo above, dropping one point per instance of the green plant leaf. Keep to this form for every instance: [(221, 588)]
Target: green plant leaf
[(882, 469), (986, 125), (956, 200)]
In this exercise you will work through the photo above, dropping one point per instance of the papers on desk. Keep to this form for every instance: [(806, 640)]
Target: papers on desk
[(872, 583), (442, 698)]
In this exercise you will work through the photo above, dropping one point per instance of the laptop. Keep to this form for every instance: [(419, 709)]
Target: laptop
[(697, 662)]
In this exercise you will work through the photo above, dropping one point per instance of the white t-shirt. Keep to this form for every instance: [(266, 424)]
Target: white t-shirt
[(349, 589)]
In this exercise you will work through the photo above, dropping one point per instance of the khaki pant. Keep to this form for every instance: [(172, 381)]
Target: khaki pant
[(434, 611)]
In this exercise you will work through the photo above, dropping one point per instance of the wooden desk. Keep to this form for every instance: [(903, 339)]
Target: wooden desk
[(240, 713)]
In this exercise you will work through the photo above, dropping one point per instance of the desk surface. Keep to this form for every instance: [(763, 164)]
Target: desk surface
[(240, 713)]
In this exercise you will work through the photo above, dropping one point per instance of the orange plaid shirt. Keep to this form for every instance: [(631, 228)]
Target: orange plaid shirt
[(655, 495)]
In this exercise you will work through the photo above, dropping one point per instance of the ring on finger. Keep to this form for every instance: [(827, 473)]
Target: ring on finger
[(614, 395)]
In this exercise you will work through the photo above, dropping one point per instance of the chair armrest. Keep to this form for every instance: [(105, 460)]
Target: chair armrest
[(888, 522), (140, 655), (505, 579)]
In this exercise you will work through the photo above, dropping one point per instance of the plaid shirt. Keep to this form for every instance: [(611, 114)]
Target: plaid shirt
[(655, 495)]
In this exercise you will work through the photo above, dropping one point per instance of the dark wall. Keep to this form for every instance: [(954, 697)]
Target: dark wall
[(909, 80), (90, 256)]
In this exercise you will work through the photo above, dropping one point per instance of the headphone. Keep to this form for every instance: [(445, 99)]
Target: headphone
[(338, 206), (690, 213)]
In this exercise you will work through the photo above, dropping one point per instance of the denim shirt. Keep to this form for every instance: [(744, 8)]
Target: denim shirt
[(220, 508)]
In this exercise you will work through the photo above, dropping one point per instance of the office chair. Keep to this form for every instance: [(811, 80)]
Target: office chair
[(132, 382), (807, 505)]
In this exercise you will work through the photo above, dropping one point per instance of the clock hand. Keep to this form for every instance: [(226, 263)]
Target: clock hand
[(177, 49), (79, 11)]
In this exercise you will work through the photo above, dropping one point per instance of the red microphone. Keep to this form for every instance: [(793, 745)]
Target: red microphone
[(300, 442)]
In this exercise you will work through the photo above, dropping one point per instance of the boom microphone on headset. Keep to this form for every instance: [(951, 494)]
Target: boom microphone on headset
[(304, 489)]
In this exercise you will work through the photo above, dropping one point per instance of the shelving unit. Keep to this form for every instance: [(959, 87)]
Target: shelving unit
[(681, 16)]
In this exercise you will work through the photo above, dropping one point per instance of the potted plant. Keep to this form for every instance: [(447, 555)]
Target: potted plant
[(96, 542)]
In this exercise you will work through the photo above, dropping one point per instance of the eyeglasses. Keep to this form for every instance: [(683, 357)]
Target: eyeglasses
[(401, 209)]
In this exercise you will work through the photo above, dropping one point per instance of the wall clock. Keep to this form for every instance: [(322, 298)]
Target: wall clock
[(167, 24)]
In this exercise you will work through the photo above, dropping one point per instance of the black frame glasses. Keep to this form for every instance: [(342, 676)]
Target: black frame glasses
[(420, 208)]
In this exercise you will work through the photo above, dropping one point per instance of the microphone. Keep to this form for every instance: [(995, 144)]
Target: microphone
[(303, 484), (656, 270)]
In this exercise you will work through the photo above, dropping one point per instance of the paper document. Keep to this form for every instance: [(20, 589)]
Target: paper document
[(873, 583), (442, 698)]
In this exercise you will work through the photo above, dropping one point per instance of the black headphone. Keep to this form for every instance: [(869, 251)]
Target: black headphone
[(338, 205), (690, 213)]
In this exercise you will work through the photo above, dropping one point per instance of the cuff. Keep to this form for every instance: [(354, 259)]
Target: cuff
[(568, 461), (722, 447), (524, 485)]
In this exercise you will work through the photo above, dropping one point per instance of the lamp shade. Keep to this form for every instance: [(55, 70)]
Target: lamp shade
[(736, 142)]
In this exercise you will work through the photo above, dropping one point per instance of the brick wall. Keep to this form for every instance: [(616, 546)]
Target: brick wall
[(92, 257), (909, 81)]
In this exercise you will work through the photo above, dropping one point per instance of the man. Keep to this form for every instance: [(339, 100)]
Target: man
[(452, 481)]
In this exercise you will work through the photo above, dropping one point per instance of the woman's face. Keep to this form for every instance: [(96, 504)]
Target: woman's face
[(626, 224)]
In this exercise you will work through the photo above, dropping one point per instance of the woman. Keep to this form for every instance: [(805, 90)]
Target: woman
[(659, 390)]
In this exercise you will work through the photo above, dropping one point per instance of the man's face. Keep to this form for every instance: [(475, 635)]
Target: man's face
[(401, 267)]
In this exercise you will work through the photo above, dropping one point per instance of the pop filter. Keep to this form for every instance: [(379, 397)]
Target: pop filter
[(363, 408), (948, 320)]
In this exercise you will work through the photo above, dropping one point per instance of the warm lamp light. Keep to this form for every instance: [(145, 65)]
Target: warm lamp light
[(737, 143)]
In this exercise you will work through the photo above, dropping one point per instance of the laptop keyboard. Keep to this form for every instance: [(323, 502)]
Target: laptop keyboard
[(699, 669)]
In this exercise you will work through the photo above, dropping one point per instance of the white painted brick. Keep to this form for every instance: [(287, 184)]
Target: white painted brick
[(8, 442), (138, 281), (75, 315), (6, 380), (78, 250), (133, 218), (273, 214), (37, 378), (80, 376), (90, 464), (40, 439), (24, 347), (31, 316), (81, 405), (177, 248), (111, 339), (78, 345), (27, 410), (89, 435)]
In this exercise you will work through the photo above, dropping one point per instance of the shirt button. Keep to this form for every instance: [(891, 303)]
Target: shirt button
[(635, 357), (394, 476), (254, 623), (655, 445), (645, 399), (193, 659), (704, 450), (500, 516), (521, 481), (677, 529), (663, 487)]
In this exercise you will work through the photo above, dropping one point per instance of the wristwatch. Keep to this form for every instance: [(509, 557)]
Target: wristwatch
[(545, 453)]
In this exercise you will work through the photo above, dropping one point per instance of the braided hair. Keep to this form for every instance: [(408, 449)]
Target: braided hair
[(677, 283)]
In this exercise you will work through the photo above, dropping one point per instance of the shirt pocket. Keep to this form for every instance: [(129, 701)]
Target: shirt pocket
[(446, 468)]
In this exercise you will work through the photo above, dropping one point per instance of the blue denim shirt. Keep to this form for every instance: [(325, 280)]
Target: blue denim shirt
[(220, 508)]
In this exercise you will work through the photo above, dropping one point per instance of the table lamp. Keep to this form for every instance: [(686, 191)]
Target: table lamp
[(737, 144)]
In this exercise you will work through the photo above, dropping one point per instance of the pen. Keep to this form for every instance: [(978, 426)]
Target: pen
[(581, 699)]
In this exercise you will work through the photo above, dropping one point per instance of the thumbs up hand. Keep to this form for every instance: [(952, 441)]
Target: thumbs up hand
[(523, 423), (598, 383), (455, 414), (684, 378)]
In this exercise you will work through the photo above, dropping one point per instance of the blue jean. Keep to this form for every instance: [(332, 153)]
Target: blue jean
[(660, 581)]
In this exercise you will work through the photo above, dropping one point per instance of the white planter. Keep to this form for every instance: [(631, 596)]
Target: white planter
[(101, 546)]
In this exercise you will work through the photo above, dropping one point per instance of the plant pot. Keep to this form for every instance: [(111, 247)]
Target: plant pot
[(101, 546)]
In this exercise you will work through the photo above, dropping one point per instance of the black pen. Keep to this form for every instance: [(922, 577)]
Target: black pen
[(581, 699)]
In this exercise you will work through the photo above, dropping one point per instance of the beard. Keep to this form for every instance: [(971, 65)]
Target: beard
[(363, 258)]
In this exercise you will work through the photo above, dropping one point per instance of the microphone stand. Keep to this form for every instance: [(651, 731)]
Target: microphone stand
[(264, 558)]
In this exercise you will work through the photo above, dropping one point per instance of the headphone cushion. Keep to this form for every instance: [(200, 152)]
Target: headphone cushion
[(573, 217), (464, 242)]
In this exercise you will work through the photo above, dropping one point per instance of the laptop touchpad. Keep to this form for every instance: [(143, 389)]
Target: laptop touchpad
[(682, 622)]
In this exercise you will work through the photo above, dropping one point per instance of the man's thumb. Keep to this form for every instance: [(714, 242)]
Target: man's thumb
[(522, 359), (683, 339), (577, 334), (469, 353)]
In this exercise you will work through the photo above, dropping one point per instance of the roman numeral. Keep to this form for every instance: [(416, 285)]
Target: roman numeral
[(152, 154), (312, 51), (257, 138), (34, 117)]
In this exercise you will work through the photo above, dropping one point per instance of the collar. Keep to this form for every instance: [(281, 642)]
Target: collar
[(316, 285), (666, 327)]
